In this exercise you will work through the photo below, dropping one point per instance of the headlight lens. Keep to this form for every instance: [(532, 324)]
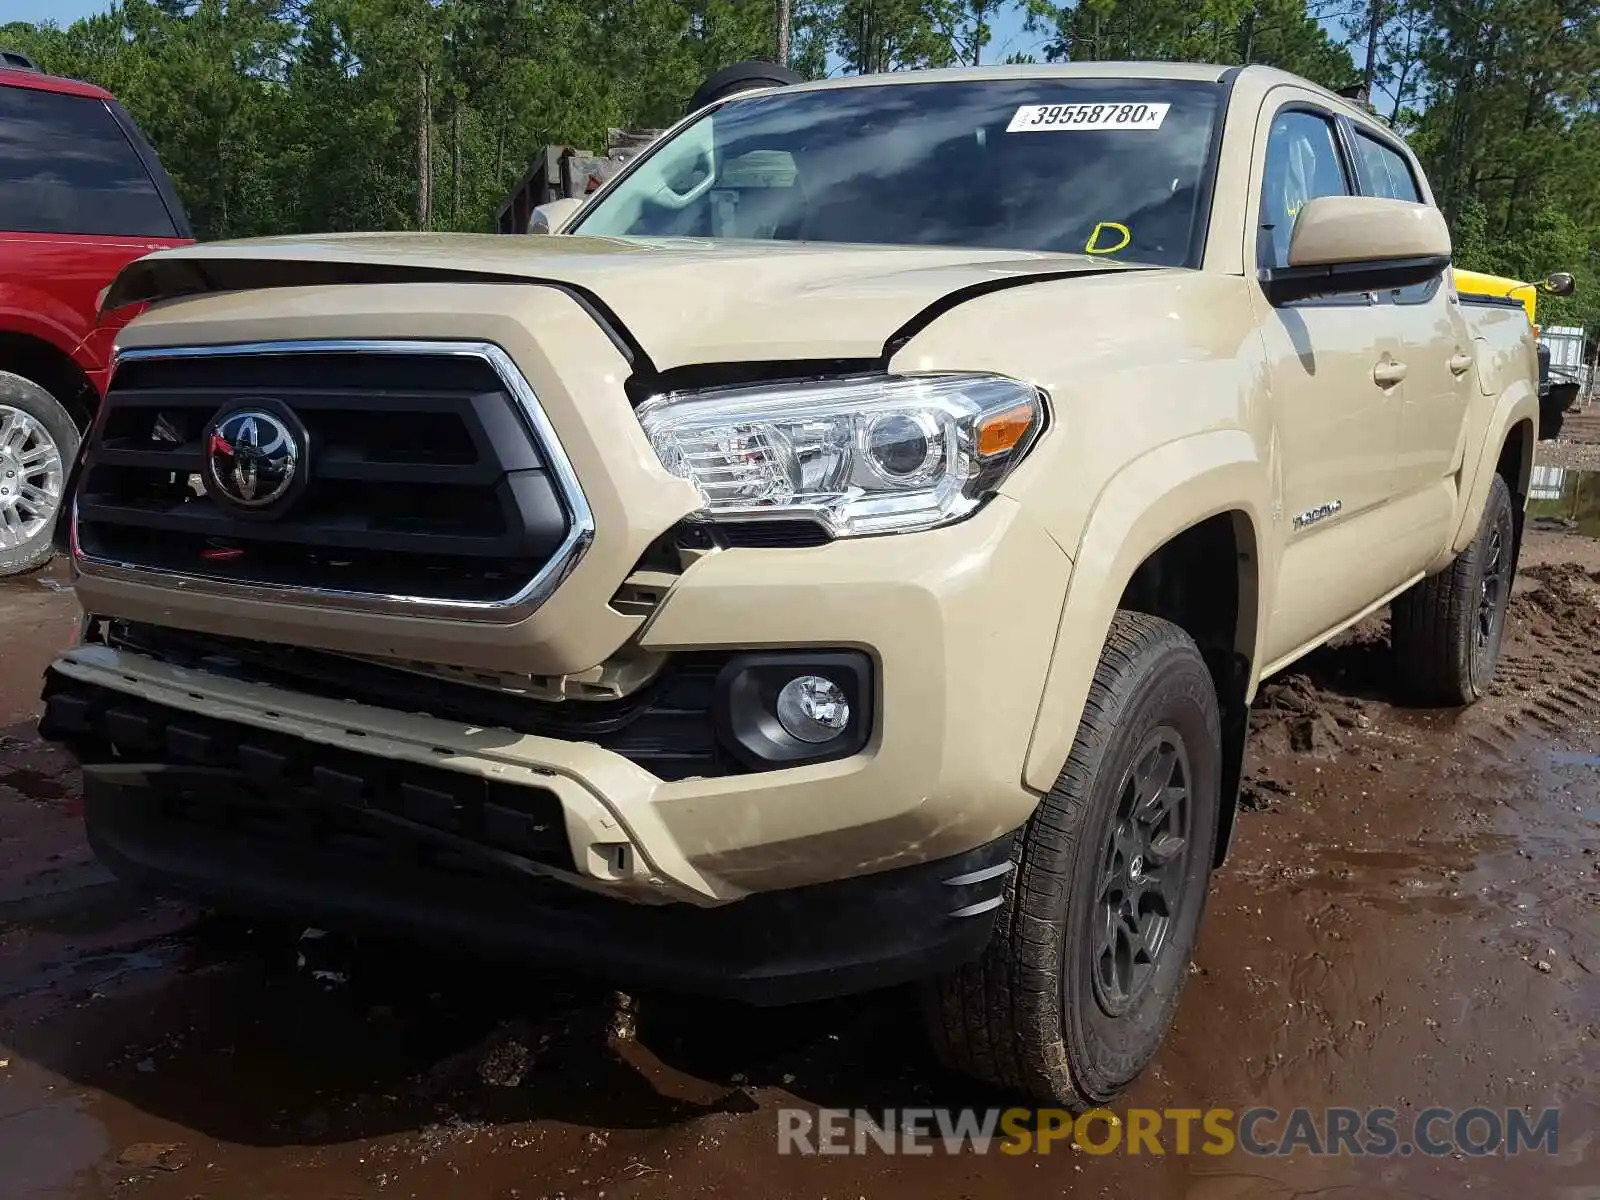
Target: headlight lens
[(861, 456)]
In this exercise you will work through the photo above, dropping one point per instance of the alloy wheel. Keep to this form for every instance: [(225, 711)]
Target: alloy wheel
[(31, 477), (1143, 871)]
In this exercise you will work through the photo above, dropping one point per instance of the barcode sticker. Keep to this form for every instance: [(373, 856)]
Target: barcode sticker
[(1056, 118)]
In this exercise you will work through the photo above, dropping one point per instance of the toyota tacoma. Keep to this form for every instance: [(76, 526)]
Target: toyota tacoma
[(844, 553)]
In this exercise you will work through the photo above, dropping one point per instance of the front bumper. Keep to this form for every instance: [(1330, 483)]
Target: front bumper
[(779, 947), (957, 621)]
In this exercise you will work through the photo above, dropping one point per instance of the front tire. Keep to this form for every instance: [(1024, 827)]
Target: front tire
[(37, 443), (1091, 947), (1447, 628)]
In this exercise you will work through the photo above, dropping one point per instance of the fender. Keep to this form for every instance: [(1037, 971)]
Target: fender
[(1516, 404), (1148, 502), (33, 312)]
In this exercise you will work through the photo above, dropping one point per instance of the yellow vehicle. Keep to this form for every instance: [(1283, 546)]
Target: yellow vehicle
[(1476, 283), (1554, 398)]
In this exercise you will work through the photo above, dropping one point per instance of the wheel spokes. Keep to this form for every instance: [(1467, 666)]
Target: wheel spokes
[(30, 477), (40, 459), (13, 431), (11, 533), (1159, 809), (1154, 772), (1143, 871), (1491, 584), (1166, 848), (35, 500)]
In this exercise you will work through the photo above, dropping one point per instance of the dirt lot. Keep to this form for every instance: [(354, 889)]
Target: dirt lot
[(1411, 917)]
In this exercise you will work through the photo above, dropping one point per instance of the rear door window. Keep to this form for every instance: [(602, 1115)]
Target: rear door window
[(1386, 170), (67, 167)]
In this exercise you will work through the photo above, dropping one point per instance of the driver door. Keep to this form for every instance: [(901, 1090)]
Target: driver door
[(1335, 422)]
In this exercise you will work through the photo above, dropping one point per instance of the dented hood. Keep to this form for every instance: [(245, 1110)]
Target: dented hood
[(671, 301)]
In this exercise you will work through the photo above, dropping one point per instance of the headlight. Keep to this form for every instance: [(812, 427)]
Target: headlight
[(861, 456)]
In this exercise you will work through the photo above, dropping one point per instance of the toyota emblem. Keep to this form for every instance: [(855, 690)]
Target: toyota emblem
[(252, 457)]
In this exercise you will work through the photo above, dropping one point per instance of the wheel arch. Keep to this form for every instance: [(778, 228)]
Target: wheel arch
[(54, 370), (1507, 449), (1190, 511), (1515, 466)]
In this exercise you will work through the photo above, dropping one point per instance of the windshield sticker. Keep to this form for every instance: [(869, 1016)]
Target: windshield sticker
[(1055, 118), (1115, 233)]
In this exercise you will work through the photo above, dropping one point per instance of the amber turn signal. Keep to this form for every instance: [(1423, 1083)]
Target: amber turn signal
[(1004, 430)]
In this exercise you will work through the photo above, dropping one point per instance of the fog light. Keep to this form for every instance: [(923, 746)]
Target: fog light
[(813, 709), (782, 708)]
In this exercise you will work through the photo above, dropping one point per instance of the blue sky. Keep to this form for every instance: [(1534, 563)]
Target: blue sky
[(62, 12)]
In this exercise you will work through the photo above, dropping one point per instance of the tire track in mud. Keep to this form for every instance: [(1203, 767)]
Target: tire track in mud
[(1399, 854), (1548, 678)]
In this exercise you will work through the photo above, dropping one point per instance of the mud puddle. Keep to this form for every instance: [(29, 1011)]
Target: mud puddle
[(1410, 918), (1565, 498)]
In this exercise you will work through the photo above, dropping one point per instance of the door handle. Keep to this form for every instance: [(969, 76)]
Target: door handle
[(1460, 364), (1388, 373)]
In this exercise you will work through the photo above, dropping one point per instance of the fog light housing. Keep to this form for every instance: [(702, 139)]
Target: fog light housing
[(813, 708), (784, 709)]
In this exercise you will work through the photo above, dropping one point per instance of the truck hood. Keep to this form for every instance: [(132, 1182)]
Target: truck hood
[(668, 302)]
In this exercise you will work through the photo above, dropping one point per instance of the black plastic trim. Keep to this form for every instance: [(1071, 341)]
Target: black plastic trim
[(644, 385), (1287, 285), (419, 476), (294, 789), (746, 698), (771, 948), (665, 727), (1488, 301)]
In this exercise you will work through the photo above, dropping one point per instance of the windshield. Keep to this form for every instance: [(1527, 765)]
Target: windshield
[(1101, 166)]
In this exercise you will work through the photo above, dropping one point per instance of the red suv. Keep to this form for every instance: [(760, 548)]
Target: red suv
[(81, 196)]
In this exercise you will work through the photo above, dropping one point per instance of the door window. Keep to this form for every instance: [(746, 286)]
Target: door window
[(1302, 163), (1386, 170), (67, 167)]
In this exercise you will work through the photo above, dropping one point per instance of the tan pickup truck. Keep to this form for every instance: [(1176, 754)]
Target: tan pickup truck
[(843, 554)]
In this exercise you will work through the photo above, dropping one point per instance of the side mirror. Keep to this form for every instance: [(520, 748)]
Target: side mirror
[(549, 218), (1343, 245), (1558, 283)]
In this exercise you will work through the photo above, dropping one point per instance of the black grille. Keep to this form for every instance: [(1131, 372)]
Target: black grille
[(275, 788), (706, 535), (665, 727), (763, 534), (424, 479)]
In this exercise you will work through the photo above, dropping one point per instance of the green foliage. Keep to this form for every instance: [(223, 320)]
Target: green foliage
[(289, 116), (1510, 136), (1279, 33)]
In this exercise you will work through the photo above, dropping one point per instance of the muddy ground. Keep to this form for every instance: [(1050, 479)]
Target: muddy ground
[(1410, 917)]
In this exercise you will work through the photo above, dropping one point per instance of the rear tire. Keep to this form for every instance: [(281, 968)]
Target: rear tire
[(742, 76), (1091, 947), (38, 441), (1447, 628)]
